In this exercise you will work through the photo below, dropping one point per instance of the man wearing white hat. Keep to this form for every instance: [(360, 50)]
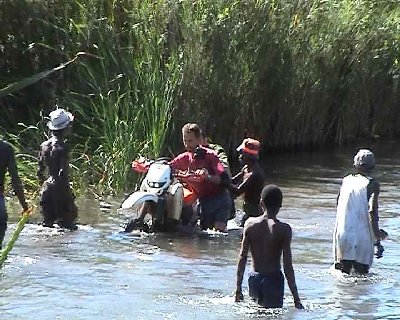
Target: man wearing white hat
[(357, 226), (57, 201)]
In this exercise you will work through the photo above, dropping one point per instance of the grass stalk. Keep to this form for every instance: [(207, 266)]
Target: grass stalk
[(14, 237)]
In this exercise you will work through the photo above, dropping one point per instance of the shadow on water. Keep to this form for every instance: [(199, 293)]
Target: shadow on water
[(98, 273)]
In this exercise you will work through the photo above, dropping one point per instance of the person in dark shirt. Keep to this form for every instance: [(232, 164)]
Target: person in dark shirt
[(222, 156), (57, 201), (250, 180), (7, 163)]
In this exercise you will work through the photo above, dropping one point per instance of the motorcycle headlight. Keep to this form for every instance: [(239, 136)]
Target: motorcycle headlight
[(153, 184)]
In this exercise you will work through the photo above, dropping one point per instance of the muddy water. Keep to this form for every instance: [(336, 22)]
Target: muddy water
[(97, 273)]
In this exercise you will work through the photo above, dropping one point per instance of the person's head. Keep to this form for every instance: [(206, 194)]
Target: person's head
[(364, 161), (271, 198), (191, 136), (60, 120), (248, 151)]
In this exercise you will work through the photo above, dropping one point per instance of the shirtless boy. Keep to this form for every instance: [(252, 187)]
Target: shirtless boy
[(268, 239)]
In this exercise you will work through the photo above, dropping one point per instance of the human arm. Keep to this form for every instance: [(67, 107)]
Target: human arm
[(41, 167), (288, 267), (237, 177), (15, 180), (213, 178), (373, 192), (247, 183), (212, 170), (244, 250), (222, 156), (63, 163)]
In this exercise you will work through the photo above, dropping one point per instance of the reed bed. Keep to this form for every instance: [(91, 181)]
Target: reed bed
[(294, 74)]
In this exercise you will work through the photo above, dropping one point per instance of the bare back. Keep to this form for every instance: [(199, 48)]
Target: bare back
[(53, 154), (267, 239)]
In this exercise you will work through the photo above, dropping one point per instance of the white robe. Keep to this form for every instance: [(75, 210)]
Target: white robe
[(353, 238)]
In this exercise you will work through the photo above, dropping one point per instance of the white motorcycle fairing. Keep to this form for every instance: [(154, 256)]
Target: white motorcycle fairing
[(139, 197), (158, 179)]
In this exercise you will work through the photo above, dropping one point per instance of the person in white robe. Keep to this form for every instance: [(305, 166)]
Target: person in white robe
[(357, 220)]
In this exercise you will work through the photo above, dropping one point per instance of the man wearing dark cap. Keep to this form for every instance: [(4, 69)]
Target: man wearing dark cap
[(250, 180), (267, 239), (357, 219), (7, 163)]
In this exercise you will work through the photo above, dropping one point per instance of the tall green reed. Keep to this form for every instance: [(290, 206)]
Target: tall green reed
[(128, 95), (26, 161), (292, 73)]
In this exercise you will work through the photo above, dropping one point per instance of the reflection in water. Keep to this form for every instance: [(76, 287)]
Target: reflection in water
[(99, 273)]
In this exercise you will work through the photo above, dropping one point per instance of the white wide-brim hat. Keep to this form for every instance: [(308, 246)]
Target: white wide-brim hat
[(60, 119)]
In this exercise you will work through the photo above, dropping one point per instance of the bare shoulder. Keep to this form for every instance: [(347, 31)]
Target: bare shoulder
[(252, 223), (284, 228), (255, 220), (249, 223)]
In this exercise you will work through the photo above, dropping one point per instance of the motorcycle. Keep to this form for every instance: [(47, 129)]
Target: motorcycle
[(162, 201)]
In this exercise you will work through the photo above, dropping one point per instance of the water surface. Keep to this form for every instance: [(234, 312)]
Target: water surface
[(97, 273)]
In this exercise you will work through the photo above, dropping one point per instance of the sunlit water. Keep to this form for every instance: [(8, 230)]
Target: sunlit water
[(98, 273)]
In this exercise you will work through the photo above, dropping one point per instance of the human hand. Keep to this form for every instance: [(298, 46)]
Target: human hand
[(141, 165), (238, 295), (383, 234), (202, 172), (24, 207), (191, 177)]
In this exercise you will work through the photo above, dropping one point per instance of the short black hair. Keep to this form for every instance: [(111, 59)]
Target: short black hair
[(271, 196)]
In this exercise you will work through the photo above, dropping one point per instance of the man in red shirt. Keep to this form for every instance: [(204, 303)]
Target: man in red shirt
[(202, 169)]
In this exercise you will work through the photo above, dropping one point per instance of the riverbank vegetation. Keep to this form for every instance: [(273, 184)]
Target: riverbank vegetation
[(294, 74)]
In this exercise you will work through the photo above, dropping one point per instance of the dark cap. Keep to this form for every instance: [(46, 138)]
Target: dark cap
[(249, 146), (364, 160)]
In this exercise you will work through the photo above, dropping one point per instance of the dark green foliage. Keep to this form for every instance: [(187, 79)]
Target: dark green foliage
[(292, 73)]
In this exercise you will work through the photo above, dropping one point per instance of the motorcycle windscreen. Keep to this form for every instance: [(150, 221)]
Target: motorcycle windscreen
[(137, 198)]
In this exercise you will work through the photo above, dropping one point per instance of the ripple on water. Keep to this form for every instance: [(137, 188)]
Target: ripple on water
[(97, 273)]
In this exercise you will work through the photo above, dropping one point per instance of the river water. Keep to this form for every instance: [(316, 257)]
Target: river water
[(97, 273)]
